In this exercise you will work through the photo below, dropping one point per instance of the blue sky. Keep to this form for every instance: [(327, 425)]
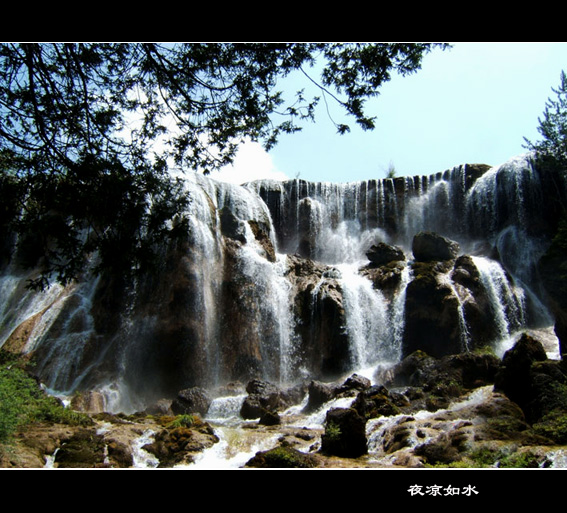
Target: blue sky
[(474, 103)]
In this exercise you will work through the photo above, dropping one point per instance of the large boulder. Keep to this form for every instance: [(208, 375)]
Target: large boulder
[(382, 253), (265, 400), (345, 433), (432, 315), (429, 246), (536, 384), (320, 317), (191, 400)]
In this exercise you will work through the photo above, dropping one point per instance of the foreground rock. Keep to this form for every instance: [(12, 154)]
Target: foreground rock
[(111, 442)]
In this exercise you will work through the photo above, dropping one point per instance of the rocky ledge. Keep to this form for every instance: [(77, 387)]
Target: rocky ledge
[(465, 410), (455, 411)]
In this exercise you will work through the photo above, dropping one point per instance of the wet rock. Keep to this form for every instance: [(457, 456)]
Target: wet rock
[(191, 400), (375, 401), (85, 449), (432, 317), (319, 394), (160, 407), (231, 226), (178, 444), (354, 383), (319, 310), (385, 278), (536, 384), (270, 418), (265, 399), (283, 457), (262, 236), (345, 433), (429, 246), (382, 254), (88, 402), (450, 374)]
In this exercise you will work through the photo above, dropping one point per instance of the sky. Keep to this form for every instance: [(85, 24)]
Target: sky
[(473, 103)]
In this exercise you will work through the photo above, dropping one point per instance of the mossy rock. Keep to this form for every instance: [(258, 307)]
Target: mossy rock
[(283, 457), (553, 426), (85, 449)]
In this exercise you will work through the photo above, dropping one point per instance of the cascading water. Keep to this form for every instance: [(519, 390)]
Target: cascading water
[(224, 308), (367, 321)]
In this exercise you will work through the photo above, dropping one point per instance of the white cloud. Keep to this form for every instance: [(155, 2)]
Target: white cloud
[(252, 162)]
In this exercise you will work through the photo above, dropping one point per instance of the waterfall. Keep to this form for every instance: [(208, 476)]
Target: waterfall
[(223, 306), (368, 325), (507, 301)]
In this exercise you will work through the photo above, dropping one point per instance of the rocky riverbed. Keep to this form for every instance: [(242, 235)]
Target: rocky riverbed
[(468, 410)]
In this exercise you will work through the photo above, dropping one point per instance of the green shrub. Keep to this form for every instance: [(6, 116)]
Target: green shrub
[(553, 426), (182, 421), (22, 401)]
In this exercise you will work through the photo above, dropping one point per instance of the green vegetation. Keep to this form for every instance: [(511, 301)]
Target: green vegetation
[(487, 457), (553, 426), (332, 432), (22, 402), (89, 132), (182, 421), (552, 148), (282, 457)]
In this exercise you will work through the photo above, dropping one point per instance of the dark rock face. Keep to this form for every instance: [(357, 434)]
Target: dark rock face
[(429, 246), (321, 393), (382, 253), (283, 457), (191, 400), (265, 400), (537, 385), (320, 316), (465, 370), (345, 433), (432, 321)]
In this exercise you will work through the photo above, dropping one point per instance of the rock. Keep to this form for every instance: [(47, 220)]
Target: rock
[(262, 236), (319, 394), (382, 254), (536, 384), (231, 226), (319, 311), (269, 418), (464, 371), (429, 246), (283, 457), (160, 407), (345, 433), (354, 383), (265, 400), (88, 402), (375, 402), (177, 444), (514, 375), (191, 400), (386, 278), (85, 449), (432, 317)]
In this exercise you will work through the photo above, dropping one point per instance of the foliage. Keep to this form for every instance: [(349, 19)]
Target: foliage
[(505, 457), (22, 401), (81, 168), (182, 421), (332, 432), (553, 426), (282, 457), (552, 149)]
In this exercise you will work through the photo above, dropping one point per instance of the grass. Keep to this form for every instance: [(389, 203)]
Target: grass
[(23, 402)]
